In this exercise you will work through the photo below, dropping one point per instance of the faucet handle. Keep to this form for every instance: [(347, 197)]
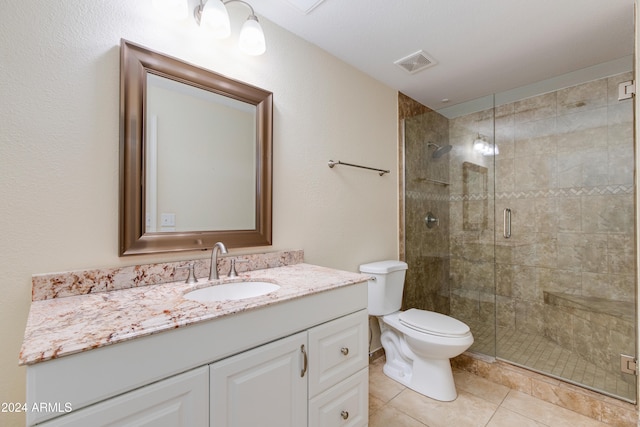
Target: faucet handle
[(232, 269), (191, 278)]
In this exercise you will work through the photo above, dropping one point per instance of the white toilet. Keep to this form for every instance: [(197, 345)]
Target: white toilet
[(418, 343)]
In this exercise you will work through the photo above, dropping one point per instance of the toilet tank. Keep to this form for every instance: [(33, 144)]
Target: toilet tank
[(385, 292)]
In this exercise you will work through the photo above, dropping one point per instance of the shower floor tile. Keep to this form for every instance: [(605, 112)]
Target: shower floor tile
[(540, 354)]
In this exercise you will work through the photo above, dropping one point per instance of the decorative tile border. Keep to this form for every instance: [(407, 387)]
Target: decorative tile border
[(418, 195), (532, 194), (568, 192), (81, 282)]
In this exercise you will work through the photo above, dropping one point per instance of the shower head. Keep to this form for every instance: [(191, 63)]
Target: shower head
[(440, 150)]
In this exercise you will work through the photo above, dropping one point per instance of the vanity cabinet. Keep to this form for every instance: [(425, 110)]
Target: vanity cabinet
[(246, 369)]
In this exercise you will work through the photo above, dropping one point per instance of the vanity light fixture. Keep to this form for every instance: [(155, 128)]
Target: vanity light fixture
[(213, 15), (480, 145)]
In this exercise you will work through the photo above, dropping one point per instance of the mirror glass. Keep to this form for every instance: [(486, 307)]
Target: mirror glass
[(220, 148), (195, 157)]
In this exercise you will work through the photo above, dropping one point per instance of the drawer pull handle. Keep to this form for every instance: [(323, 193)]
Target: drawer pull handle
[(344, 415), (305, 362), (344, 350)]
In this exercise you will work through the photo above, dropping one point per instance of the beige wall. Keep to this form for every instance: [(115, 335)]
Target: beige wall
[(59, 115)]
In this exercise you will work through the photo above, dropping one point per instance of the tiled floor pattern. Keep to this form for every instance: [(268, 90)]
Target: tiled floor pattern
[(480, 403), (541, 354)]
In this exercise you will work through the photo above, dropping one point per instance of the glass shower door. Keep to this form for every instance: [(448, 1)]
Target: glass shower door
[(565, 275), (472, 224)]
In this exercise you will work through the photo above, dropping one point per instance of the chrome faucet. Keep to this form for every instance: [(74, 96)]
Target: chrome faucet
[(213, 272)]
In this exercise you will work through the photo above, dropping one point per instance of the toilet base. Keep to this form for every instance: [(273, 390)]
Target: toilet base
[(431, 378), (424, 374)]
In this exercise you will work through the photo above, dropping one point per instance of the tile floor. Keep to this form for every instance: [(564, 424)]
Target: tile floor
[(480, 403)]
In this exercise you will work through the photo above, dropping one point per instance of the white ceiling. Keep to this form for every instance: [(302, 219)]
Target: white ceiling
[(480, 46)]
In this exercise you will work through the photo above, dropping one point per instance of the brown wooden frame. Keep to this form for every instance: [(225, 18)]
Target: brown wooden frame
[(135, 62)]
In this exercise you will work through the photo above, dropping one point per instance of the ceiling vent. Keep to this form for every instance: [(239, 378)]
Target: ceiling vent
[(305, 6), (415, 62)]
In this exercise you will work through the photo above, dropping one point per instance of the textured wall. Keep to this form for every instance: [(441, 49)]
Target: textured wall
[(59, 63)]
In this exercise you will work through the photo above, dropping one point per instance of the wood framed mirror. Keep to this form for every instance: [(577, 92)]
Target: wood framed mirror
[(195, 157)]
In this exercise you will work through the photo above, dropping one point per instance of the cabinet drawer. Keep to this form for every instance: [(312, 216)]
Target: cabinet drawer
[(343, 405), (337, 350)]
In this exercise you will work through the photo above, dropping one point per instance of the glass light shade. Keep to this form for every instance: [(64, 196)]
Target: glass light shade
[(251, 39), (215, 19), (490, 150), (479, 145), (176, 9)]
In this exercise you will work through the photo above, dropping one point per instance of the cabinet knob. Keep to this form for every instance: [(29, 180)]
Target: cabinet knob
[(344, 415), (344, 350)]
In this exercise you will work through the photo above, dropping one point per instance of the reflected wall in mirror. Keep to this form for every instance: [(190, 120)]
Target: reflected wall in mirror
[(221, 148), (196, 164), (475, 201)]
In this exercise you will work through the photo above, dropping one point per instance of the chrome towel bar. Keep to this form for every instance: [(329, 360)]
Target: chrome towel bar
[(435, 181), (380, 171)]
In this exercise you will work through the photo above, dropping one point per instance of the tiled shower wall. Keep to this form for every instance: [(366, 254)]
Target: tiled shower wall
[(426, 251)]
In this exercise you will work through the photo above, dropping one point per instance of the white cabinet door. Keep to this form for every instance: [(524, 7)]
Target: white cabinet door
[(179, 401), (266, 386), (337, 350)]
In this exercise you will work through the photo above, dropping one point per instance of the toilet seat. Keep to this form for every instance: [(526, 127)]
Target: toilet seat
[(433, 323)]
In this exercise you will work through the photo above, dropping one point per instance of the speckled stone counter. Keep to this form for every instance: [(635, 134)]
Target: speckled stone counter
[(59, 326)]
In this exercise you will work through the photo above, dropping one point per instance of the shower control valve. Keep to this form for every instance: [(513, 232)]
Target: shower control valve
[(431, 220)]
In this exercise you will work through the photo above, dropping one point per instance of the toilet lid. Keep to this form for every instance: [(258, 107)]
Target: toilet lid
[(433, 323)]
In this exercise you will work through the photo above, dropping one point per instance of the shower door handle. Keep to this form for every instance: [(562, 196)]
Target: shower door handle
[(507, 223)]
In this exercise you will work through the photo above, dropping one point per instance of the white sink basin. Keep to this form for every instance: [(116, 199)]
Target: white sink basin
[(231, 291)]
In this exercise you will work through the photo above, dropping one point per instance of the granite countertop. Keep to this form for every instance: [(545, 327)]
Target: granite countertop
[(63, 326)]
